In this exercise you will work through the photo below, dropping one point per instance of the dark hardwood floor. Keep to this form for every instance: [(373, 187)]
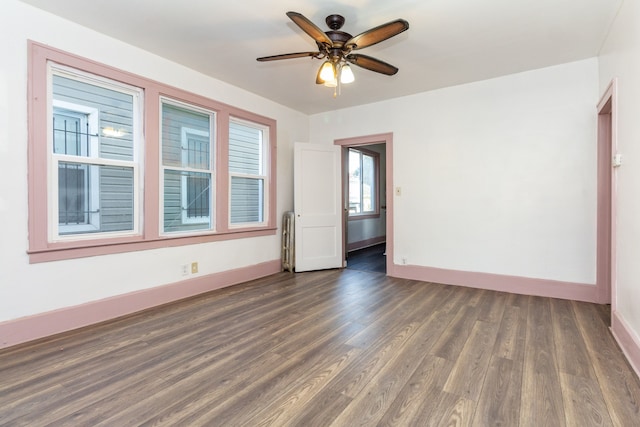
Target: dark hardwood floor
[(330, 348), (371, 259)]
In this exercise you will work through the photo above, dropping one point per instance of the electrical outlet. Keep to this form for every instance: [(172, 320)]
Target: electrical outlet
[(194, 267), (404, 261), (184, 268)]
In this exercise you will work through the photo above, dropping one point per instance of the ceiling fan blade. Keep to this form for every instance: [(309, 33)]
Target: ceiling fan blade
[(287, 56), (310, 28), (372, 64), (377, 34)]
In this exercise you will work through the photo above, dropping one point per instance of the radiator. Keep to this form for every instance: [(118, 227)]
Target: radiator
[(288, 242)]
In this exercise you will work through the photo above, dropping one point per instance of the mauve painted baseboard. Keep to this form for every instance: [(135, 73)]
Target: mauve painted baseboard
[(42, 325), (497, 282), (627, 340)]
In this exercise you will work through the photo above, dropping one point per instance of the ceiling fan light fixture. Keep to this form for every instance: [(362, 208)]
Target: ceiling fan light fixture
[(327, 72), (335, 49), (346, 74)]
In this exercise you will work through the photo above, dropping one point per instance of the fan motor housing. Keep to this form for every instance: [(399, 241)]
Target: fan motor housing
[(338, 38)]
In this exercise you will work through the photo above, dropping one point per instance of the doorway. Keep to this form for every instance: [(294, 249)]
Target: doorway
[(368, 224)]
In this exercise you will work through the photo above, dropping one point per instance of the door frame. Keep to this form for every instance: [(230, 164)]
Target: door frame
[(387, 140), (606, 197)]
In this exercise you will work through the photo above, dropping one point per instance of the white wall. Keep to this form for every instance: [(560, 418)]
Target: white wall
[(620, 57), (28, 289), (497, 176)]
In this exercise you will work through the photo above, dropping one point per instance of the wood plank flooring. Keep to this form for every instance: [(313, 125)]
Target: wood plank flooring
[(330, 348), (372, 259)]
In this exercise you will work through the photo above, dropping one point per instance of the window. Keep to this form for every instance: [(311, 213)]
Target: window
[(201, 171), (247, 171), (187, 167), (363, 182), (93, 153)]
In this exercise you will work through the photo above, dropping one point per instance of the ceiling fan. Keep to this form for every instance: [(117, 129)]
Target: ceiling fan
[(336, 48)]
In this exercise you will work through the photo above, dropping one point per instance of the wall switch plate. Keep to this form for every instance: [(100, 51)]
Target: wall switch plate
[(194, 267)]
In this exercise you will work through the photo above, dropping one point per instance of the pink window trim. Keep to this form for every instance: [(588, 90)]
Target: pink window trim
[(108, 247), (41, 250)]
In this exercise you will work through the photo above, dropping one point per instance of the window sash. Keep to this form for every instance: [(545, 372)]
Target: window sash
[(74, 204), (89, 158), (92, 205), (248, 178), (177, 204), (195, 166), (247, 202)]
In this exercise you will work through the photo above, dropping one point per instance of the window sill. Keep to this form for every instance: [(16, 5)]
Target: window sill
[(57, 252)]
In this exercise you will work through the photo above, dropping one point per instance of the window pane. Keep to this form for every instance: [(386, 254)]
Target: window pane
[(247, 200), (187, 200), (73, 194), (94, 198), (245, 149), (362, 182), (368, 183), (186, 138), (99, 120), (355, 205)]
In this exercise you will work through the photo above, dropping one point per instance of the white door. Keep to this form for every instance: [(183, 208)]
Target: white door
[(317, 206)]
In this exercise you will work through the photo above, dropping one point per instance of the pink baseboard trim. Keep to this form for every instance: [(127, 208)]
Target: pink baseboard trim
[(366, 243), (497, 282), (627, 340), (41, 325)]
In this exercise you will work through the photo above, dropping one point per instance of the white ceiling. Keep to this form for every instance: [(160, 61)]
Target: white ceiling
[(449, 41)]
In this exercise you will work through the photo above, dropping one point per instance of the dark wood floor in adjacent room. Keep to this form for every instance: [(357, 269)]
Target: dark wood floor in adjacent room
[(330, 348), (371, 259)]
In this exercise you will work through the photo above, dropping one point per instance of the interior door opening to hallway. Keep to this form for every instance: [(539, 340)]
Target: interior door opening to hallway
[(368, 220)]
